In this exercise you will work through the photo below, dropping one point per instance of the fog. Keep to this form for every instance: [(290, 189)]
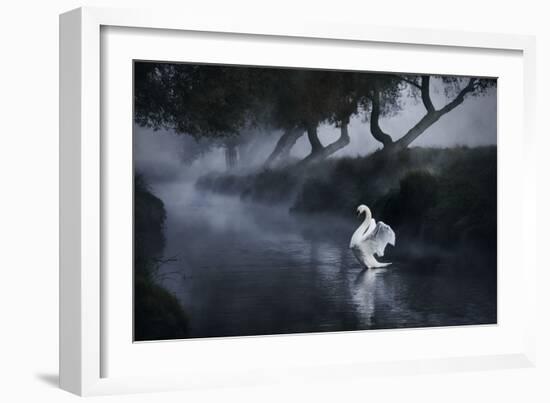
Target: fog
[(242, 267)]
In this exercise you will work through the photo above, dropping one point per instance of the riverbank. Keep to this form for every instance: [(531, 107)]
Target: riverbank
[(158, 314), (249, 268), (444, 197)]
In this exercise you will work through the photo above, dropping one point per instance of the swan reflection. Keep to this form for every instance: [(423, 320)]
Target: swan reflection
[(364, 294)]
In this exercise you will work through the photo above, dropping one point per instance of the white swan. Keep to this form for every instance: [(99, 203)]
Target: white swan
[(371, 238)]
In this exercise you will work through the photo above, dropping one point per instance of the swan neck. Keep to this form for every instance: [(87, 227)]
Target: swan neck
[(366, 221)]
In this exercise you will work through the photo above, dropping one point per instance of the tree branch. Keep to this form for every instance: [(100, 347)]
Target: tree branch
[(425, 91), (433, 116), (460, 97), (411, 82)]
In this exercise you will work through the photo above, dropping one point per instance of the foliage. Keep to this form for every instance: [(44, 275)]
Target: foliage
[(149, 218), (216, 100), (199, 100), (219, 103), (157, 313), (442, 196)]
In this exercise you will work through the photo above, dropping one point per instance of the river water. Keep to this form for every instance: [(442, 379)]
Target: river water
[(248, 269)]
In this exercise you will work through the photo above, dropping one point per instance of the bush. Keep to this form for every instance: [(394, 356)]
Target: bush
[(157, 313), (408, 208), (441, 195)]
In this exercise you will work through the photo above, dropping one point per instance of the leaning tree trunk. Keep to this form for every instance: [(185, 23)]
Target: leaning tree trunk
[(432, 115), (324, 152), (375, 129), (313, 137), (282, 149)]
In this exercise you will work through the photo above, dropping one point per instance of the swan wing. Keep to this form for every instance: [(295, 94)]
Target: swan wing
[(376, 240)]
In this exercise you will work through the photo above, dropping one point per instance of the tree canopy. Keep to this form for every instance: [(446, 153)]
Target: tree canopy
[(219, 102)]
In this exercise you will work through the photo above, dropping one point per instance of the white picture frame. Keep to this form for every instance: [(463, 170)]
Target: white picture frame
[(86, 346)]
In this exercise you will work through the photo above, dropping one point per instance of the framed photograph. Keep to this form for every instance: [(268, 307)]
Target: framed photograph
[(246, 203)]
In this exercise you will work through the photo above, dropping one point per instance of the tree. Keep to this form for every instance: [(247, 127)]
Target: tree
[(204, 101), (218, 103), (301, 100), (342, 102), (382, 98)]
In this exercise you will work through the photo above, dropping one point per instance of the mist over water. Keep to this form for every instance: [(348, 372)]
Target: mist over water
[(246, 268)]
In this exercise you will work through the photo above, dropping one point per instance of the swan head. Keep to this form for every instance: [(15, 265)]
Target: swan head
[(364, 209)]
